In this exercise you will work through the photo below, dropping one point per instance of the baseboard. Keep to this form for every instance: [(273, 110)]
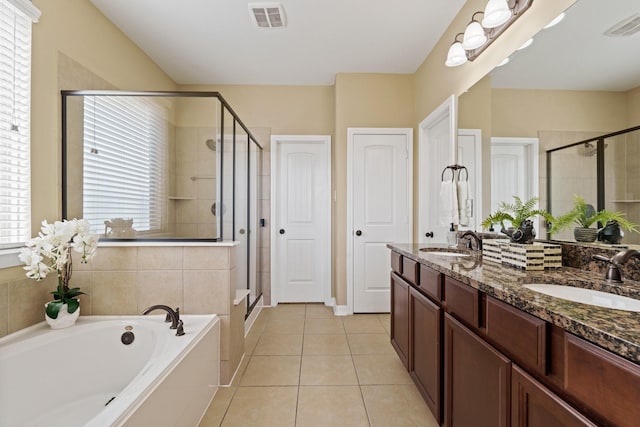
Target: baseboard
[(233, 377), (248, 323), (341, 310), (330, 302)]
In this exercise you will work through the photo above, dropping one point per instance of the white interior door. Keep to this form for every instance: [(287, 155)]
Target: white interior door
[(514, 170), (437, 149), (380, 171), (301, 229)]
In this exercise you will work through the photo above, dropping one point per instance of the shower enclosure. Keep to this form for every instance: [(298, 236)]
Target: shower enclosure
[(605, 170), (171, 166)]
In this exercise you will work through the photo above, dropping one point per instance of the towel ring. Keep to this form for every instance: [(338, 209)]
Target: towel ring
[(453, 173)]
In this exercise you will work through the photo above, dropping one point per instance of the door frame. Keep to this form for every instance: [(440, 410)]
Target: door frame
[(276, 140), (448, 108), (351, 132), (477, 134)]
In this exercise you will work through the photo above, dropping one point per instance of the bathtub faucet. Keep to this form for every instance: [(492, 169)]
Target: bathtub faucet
[(173, 316)]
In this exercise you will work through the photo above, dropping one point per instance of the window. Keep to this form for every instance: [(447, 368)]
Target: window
[(125, 151), (16, 17)]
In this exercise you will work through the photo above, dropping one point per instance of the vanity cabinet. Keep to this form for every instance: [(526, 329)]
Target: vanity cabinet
[(477, 379), (478, 361), (425, 360), (534, 405), (400, 317)]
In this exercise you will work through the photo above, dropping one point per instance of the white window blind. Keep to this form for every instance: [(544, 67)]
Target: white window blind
[(125, 153), (16, 17)]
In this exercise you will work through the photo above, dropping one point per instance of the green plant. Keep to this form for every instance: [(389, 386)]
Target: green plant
[(516, 213), (584, 216)]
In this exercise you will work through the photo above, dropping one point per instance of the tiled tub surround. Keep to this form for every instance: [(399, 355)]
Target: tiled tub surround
[(198, 277), (126, 277), (615, 330)]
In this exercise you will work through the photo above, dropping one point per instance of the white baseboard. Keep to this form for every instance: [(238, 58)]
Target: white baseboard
[(341, 310), (330, 302), (248, 323)]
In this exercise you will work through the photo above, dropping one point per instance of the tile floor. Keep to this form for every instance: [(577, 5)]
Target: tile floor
[(303, 366)]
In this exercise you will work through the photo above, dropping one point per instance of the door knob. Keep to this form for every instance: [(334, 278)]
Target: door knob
[(281, 231), (358, 233), (429, 234)]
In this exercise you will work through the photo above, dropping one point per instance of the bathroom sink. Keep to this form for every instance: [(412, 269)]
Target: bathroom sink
[(587, 296), (446, 252)]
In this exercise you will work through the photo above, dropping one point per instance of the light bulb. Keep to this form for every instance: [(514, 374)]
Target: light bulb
[(526, 44), (556, 20)]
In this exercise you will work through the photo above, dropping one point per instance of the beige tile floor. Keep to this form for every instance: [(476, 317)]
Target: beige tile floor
[(305, 367)]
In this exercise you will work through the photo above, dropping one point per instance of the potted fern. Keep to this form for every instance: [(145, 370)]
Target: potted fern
[(583, 215), (518, 214)]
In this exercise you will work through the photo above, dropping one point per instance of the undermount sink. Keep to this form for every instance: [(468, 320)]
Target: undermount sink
[(587, 296), (445, 252)]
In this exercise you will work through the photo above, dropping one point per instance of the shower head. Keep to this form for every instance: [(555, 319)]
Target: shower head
[(589, 149), (211, 144)]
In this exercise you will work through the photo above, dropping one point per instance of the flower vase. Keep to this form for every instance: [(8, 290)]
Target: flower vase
[(64, 319)]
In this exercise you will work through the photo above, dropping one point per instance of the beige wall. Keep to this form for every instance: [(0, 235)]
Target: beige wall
[(362, 100), (79, 31), (633, 107), (523, 113)]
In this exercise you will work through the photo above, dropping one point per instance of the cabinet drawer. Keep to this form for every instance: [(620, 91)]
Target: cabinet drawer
[(396, 262), (520, 335), (605, 383), (462, 301), (410, 270), (431, 282)]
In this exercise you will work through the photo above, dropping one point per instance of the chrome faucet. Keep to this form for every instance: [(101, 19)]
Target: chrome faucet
[(472, 236), (172, 316), (614, 275)]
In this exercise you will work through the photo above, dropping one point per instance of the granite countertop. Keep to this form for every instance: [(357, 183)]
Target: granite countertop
[(615, 330)]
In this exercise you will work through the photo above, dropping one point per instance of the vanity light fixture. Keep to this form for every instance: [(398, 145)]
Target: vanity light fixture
[(457, 55), (474, 35), (555, 21), (526, 44), (498, 15)]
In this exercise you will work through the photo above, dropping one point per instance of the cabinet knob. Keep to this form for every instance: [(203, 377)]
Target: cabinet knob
[(281, 231), (429, 234), (358, 233)]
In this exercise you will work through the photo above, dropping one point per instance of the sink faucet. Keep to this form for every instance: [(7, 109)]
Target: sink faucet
[(614, 275), (472, 236), (172, 316)]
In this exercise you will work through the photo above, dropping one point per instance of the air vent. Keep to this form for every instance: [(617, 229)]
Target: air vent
[(625, 28), (268, 15)]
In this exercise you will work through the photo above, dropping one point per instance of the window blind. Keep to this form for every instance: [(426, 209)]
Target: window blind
[(16, 17), (125, 143)]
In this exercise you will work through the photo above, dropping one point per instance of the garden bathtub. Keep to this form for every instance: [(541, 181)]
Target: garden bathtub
[(86, 376)]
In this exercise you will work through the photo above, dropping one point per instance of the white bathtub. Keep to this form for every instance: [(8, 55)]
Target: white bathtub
[(66, 377)]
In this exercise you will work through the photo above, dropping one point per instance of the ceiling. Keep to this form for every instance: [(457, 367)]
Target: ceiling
[(576, 55), (216, 42)]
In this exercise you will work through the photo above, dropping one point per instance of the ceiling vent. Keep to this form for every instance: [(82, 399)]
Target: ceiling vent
[(625, 28), (268, 15)]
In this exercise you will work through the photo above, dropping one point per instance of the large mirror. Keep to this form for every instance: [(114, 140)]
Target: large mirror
[(577, 80)]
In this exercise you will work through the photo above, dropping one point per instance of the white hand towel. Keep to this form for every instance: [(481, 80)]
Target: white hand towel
[(463, 202), (448, 203)]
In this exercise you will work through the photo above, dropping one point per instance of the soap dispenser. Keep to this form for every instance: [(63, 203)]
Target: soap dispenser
[(452, 236)]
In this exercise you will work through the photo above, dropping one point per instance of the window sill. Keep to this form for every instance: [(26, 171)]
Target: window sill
[(9, 258)]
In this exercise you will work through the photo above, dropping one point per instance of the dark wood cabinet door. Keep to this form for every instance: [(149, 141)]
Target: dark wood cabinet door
[(400, 317), (534, 405), (425, 361), (477, 380)]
